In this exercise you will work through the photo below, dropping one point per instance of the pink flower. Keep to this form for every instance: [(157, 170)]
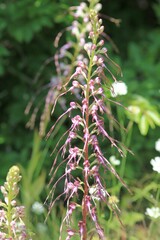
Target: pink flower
[(71, 233)]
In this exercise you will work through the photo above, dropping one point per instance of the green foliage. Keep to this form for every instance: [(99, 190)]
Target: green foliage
[(27, 30), (33, 175), (156, 7), (143, 113), (25, 18)]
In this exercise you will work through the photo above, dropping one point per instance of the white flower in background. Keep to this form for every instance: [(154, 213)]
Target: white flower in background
[(42, 228), (118, 88), (153, 212), (38, 208), (157, 145), (156, 164), (114, 161)]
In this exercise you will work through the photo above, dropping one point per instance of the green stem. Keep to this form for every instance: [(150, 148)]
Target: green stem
[(153, 220), (9, 214), (125, 140), (127, 144), (84, 209)]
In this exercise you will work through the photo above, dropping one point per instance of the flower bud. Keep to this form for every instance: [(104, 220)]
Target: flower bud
[(100, 21), (91, 84), (97, 80), (20, 211), (75, 84), (95, 59), (94, 109), (3, 190), (87, 47), (98, 7), (101, 43), (93, 47), (91, 35), (13, 175), (104, 50), (78, 70), (100, 90), (6, 185), (70, 233), (100, 61), (81, 64), (72, 135), (99, 69), (6, 200), (72, 206), (13, 203), (101, 29), (73, 105)]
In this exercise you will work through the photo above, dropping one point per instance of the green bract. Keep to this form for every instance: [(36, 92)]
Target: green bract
[(142, 112)]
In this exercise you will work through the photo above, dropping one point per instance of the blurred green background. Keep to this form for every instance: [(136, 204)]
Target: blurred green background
[(27, 32)]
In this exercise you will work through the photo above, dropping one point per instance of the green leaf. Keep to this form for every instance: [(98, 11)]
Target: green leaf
[(140, 193), (3, 51), (1, 69), (3, 23), (38, 185), (132, 217), (143, 125), (36, 156), (3, 205), (155, 117)]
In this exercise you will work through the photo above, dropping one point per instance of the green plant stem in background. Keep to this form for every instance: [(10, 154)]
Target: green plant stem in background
[(126, 140), (153, 220)]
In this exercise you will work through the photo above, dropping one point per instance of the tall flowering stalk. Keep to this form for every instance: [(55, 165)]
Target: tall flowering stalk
[(12, 226), (81, 150)]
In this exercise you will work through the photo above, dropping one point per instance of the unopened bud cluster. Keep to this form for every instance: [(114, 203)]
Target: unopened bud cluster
[(11, 216)]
